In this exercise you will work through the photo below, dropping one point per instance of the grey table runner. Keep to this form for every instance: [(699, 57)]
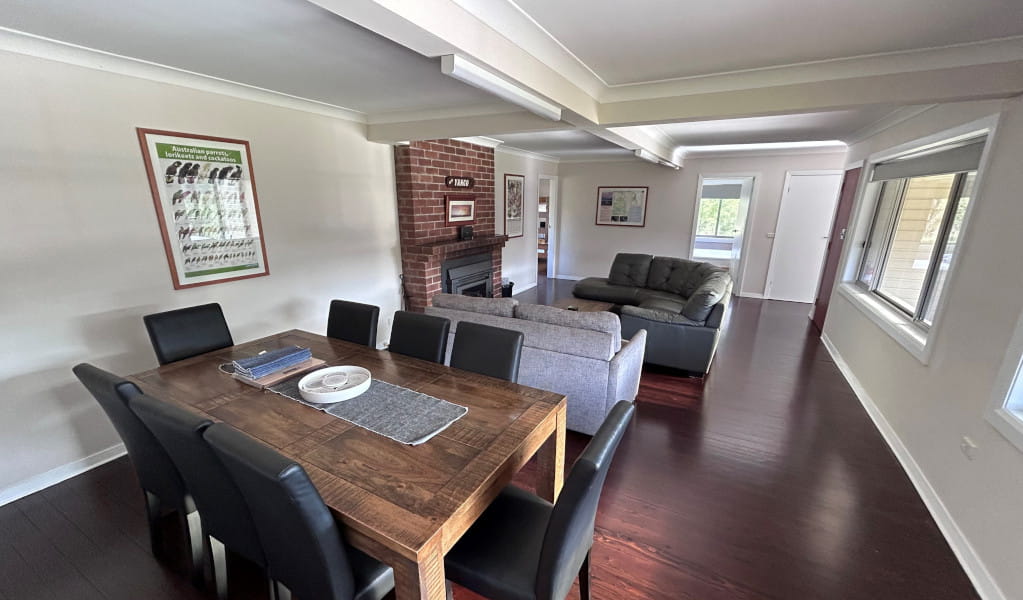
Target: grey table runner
[(404, 415)]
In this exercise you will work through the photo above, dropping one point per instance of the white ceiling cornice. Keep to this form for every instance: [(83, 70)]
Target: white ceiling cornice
[(492, 108), (527, 154), (27, 44), (957, 55), (888, 121)]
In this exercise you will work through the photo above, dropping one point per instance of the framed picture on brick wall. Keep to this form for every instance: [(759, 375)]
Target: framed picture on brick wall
[(514, 188), (459, 209)]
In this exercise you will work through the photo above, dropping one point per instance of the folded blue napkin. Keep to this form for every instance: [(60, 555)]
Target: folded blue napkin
[(271, 361)]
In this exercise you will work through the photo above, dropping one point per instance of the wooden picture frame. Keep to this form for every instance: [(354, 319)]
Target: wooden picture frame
[(204, 193), (459, 209), (622, 206), (514, 204)]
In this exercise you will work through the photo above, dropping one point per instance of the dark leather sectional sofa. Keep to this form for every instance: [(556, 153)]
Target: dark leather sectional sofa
[(680, 303)]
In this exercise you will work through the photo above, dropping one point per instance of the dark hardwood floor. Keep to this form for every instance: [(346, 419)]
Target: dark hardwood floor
[(765, 480)]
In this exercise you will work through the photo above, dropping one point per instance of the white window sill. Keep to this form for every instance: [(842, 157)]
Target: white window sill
[(893, 322), (1008, 423)]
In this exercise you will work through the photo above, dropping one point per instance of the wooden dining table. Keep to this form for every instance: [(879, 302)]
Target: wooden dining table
[(404, 505)]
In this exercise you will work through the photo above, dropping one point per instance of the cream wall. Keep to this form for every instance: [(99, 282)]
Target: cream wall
[(518, 262), (588, 249), (83, 260), (931, 407)]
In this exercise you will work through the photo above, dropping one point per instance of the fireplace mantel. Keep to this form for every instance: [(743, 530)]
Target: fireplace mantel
[(445, 247)]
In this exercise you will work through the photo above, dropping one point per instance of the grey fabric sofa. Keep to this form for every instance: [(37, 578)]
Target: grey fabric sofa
[(580, 355), (680, 303)]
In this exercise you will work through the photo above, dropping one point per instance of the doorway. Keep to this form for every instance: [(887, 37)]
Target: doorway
[(719, 225), (546, 227), (801, 236)]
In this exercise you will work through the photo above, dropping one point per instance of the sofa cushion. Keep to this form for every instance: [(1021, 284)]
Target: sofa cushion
[(630, 269), (499, 307), (659, 316), (544, 336), (602, 321), (704, 297), (672, 306), (598, 288), (670, 274), (700, 274), (644, 294)]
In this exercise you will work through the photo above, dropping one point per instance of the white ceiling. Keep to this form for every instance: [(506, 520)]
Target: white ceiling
[(649, 40), (289, 46), (834, 125), (570, 144)]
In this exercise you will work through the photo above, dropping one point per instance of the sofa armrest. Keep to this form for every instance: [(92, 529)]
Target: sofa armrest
[(625, 370)]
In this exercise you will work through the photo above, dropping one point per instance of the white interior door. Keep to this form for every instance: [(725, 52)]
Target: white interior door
[(801, 237)]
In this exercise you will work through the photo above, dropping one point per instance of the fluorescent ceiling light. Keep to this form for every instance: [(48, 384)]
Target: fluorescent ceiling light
[(651, 157), (647, 155), (766, 146), (476, 76)]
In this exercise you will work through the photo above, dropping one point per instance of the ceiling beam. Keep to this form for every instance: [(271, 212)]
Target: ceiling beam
[(437, 27)]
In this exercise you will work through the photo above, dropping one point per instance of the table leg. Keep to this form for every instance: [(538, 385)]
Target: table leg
[(551, 461), (423, 580)]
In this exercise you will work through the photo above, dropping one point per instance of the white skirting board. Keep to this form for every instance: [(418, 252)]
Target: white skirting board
[(54, 476), (571, 277), (524, 288), (974, 567)]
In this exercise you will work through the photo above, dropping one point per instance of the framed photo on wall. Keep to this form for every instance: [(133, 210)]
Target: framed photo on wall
[(621, 206), (205, 198), (514, 191), (459, 209)]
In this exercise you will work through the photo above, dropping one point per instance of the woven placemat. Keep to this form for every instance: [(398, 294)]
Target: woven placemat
[(396, 412)]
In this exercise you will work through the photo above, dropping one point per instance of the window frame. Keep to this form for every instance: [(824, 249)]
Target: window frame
[(919, 312), (917, 341), (1005, 410)]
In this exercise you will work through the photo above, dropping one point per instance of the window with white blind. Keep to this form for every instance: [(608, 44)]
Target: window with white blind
[(917, 226)]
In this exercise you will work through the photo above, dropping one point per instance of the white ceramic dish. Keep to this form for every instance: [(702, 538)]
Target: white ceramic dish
[(334, 384)]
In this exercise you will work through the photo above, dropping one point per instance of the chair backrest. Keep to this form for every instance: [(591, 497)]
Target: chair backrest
[(303, 545), (420, 336), (186, 332), (155, 469), (224, 513), (353, 322), (487, 350), (570, 531)]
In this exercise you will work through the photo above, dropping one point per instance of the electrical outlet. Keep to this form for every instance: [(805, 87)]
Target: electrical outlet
[(968, 447)]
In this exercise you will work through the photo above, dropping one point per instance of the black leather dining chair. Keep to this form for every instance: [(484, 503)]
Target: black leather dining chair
[(163, 488), (487, 350), (353, 322), (222, 510), (186, 332), (524, 548), (420, 336), (303, 544)]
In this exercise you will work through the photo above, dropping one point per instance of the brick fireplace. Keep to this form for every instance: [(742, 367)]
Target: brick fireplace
[(427, 242)]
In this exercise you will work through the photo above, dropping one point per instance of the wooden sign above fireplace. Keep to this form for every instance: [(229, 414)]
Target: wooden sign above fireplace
[(464, 183)]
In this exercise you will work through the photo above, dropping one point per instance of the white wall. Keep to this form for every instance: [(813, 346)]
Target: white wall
[(518, 261), (82, 256), (588, 249), (930, 407)]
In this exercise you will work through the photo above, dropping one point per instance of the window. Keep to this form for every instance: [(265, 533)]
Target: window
[(1006, 410), (916, 227), (720, 217)]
